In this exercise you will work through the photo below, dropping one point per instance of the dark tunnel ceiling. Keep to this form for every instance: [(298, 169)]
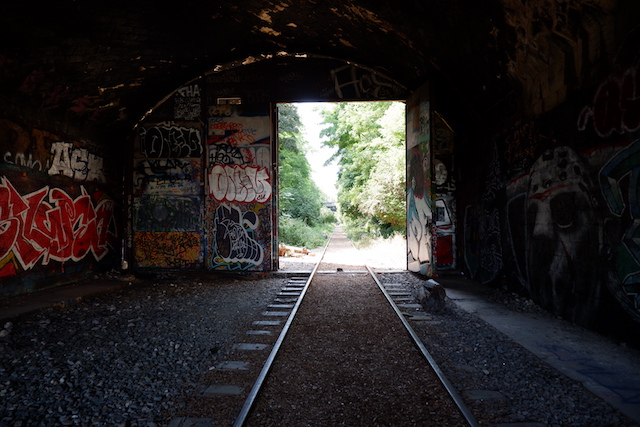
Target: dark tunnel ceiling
[(120, 57)]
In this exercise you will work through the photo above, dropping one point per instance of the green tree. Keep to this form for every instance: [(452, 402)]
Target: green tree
[(369, 139), (301, 210)]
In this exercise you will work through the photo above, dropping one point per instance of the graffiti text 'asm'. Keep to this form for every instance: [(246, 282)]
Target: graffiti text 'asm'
[(49, 225)]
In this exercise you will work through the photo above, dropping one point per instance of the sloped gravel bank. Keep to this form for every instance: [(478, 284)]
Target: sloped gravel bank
[(500, 381), (125, 358)]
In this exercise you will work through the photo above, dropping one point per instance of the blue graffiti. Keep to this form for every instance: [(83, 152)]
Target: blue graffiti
[(620, 183), (235, 248)]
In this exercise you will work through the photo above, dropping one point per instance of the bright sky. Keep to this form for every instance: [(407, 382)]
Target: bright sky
[(324, 176)]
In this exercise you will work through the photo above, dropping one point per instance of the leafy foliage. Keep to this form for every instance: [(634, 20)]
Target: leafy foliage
[(369, 139), (301, 211)]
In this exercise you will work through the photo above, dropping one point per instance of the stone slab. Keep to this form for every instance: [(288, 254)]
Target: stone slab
[(417, 317), (286, 300), (249, 346), (282, 306), (276, 313), (410, 306), (190, 422), (222, 390), (267, 322), (232, 365), (399, 293), (258, 332)]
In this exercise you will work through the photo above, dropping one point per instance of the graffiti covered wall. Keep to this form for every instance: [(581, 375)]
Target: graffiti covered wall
[(201, 192), (167, 195), (444, 184), (558, 215), (419, 193), (239, 196), (58, 216), (201, 189)]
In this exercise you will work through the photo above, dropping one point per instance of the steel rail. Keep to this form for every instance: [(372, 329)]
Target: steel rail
[(466, 413), (253, 394)]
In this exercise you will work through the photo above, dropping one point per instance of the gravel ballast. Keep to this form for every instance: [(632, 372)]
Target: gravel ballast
[(135, 356), (124, 358), (500, 381)]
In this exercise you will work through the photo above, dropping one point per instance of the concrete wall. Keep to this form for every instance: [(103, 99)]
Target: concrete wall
[(202, 187), (554, 210), (59, 218)]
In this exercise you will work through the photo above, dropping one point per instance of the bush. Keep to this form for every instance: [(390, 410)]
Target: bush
[(296, 232), (327, 216)]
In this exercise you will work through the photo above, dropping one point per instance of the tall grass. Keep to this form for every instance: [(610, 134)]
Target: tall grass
[(297, 232)]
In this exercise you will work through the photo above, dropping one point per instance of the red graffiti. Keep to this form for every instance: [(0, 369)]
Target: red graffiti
[(227, 126), (232, 133), (616, 105), (544, 195), (49, 225)]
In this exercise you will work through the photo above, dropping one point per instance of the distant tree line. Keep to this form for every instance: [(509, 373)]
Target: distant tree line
[(369, 138), (303, 219)]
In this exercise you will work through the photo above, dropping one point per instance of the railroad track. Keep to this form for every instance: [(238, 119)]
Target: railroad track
[(321, 391)]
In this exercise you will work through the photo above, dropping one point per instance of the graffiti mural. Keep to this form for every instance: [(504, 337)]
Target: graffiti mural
[(239, 184), (444, 183), (351, 82), (167, 249), (620, 184), (50, 225), (43, 151), (25, 146), (162, 176), (419, 193), (558, 213), (76, 163), (234, 243), (573, 208), (170, 140), (166, 210), (239, 189), (159, 213), (444, 232), (616, 105), (227, 127), (20, 159), (482, 228), (225, 154), (187, 103)]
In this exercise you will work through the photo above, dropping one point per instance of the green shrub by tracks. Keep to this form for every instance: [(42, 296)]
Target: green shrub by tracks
[(296, 232)]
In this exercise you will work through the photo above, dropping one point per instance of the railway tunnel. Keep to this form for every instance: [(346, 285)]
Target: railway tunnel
[(130, 129)]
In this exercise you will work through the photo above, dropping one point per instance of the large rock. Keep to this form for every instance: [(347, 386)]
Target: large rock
[(432, 295)]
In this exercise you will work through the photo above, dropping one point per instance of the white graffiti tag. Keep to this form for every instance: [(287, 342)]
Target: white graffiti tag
[(76, 163), (236, 183)]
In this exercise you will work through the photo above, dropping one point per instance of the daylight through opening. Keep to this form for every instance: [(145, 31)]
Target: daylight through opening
[(342, 164)]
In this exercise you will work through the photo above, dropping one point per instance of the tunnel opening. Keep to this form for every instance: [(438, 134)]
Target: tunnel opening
[(202, 185), (349, 157)]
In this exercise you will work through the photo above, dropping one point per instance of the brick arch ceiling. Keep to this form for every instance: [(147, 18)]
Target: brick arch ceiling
[(99, 66)]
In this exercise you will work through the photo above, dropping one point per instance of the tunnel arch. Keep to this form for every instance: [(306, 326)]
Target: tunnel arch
[(202, 161)]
